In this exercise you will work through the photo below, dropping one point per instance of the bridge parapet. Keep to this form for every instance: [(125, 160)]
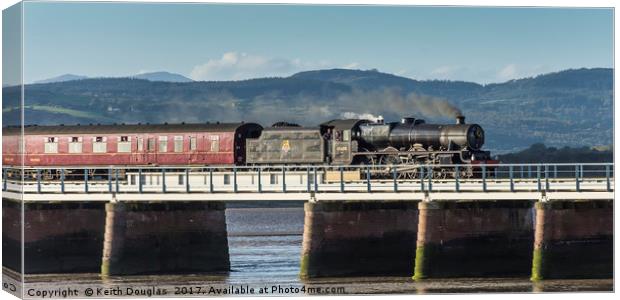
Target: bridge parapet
[(442, 182)]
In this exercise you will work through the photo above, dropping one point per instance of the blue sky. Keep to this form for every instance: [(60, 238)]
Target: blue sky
[(224, 42)]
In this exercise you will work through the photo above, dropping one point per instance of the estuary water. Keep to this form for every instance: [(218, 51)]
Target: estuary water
[(265, 247)]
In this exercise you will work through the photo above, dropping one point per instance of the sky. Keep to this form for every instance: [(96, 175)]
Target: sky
[(234, 42)]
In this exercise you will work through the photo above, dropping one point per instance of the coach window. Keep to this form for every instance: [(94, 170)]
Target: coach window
[(215, 143), (178, 144), (163, 144), (192, 143), (150, 145), (140, 142), (100, 144), (273, 179), (51, 145), (226, 179), (124, 144), (75, 144)]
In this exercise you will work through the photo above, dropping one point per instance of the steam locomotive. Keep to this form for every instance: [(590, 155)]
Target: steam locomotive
[(406, 144)]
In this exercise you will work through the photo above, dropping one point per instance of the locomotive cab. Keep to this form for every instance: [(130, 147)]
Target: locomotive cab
[(341, 138)]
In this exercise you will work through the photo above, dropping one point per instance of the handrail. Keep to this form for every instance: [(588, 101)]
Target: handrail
[(98, 167)]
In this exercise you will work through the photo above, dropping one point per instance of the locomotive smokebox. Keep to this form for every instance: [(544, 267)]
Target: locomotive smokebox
[(460, 119)]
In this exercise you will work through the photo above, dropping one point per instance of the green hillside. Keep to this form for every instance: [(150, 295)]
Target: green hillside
[(567, 108)]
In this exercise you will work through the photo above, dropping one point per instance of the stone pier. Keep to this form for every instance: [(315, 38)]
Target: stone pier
[(58, 237), (471, 239), (115, 238), (165, 238), (573, 239), (12, 235), (343, 238)]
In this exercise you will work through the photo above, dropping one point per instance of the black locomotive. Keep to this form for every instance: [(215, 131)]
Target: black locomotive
[(407, 144)]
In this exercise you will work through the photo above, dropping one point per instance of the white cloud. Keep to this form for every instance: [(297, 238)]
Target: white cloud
[(508, 72), (239, 65), (402, 72), (353, 65), (445, 71)]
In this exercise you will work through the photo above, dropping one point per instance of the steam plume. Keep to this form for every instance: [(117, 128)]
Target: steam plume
[(366, 116)]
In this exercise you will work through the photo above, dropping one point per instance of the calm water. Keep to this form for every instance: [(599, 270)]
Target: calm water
[(265, 246)]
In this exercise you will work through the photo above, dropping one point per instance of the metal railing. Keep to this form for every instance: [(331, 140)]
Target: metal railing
[(312, 178)]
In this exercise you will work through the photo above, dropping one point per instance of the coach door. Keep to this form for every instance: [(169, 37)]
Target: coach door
[(151, 151), (138, 157), (193, 146)]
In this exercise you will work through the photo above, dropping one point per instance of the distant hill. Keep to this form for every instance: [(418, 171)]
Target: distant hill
[(162, 76), (539, 153), (61, 78), (151, 76), (567, 108)]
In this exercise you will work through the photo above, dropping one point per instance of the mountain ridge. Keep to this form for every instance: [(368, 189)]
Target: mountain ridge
[(162, 76), (564, 108)]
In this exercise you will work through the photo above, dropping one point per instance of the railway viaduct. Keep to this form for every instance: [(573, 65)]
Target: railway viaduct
[(541, 221)]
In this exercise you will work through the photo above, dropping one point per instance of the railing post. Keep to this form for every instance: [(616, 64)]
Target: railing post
[(235, 179), (110, 180), (430, 179), (394, 177), (163, 180), (341, 179), (422, 178), (607, 178), (546, 178), (62, 181), (484, 178), (316, 183), (538, 177), (522, 172), (457, 174), (368, 188), (283, 179), (260, 182), (577, 178), (116, 179), (140, 181), (85, 180), (308, 179), (555, 171), (38, 181), (511, 175), (210, 180), (187, 190), (4, 179)]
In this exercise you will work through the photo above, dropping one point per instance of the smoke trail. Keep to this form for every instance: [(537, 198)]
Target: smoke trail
[(303, 109), (433, 106), (392, 101)]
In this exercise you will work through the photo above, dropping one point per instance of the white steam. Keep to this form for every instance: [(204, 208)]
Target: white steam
[(365, 116)]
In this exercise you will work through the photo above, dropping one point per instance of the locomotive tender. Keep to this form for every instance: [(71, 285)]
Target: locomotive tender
[(410, 142)]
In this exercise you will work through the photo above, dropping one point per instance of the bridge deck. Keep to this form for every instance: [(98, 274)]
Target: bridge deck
[(503, 182)]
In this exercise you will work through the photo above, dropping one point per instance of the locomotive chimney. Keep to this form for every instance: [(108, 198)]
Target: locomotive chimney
[(460, 119)]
